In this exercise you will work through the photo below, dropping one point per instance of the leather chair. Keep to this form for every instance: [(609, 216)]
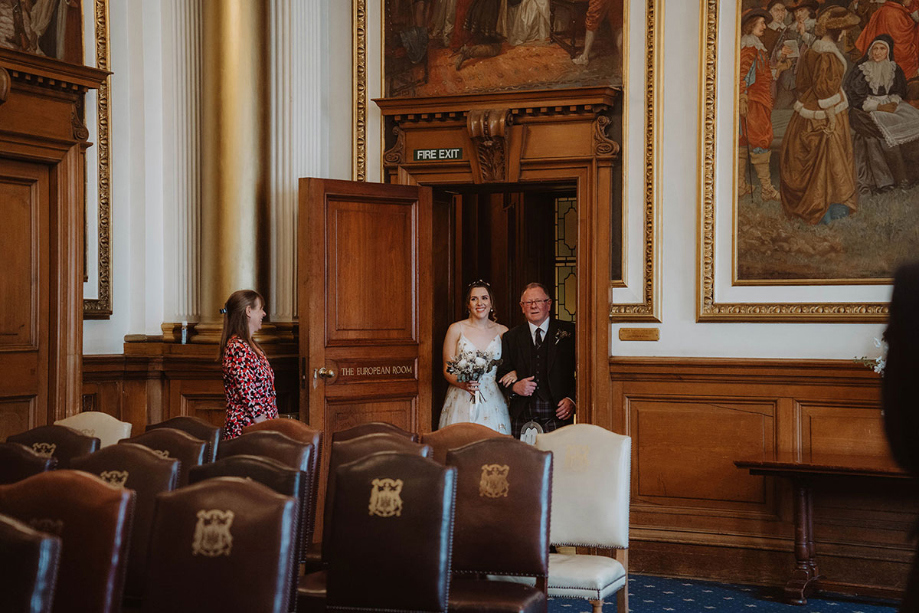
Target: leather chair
[(29, 559), (373, 427), (455, 436), (93, 521), (223, 544), (590, 508), (173, 444), (396, 556), (502, 525), (59, 442), (137, 468), (274, 445), (101, 425), (18, 462), (198, 428), (301, 432), (281, 479), (312, 589)]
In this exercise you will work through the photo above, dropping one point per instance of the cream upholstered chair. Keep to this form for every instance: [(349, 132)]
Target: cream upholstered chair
[(101, 425), (590, 508)]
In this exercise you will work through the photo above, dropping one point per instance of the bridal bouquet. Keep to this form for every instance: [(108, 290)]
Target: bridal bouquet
[(470, 366)]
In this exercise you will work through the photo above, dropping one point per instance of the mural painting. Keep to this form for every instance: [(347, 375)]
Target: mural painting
[(52, 28), (827, 124), (449, 47)]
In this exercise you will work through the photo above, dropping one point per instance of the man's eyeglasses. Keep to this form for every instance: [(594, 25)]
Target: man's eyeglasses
[(530, 303)]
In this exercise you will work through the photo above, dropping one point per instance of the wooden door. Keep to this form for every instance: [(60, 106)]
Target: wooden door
[(365, 304), (24, 296)]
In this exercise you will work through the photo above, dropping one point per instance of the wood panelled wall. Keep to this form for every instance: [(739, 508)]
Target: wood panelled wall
[(154, 381), (695, 514)]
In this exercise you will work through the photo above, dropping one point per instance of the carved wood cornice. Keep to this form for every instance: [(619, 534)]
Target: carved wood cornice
[(556, 101), (50, 74), (488, 131)]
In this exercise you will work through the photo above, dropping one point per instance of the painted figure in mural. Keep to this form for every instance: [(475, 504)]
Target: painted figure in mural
[(782, 46), (865, 9), (885, 127), (898, 19), (817, 162), (597, 11), (755, 104), (443, 20), (528, 21), (479, 33)]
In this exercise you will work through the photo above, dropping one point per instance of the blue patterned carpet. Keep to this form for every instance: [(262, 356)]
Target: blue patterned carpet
[(660, 595)]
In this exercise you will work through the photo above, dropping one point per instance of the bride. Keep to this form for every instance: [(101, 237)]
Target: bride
[(477, 332)]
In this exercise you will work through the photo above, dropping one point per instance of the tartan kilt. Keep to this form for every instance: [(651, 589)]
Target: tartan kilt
[(540, 411)]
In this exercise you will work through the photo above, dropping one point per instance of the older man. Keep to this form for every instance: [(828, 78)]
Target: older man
[(542, 352)]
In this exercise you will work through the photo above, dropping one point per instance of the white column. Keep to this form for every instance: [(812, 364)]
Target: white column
[(298, 85), (182, 156)]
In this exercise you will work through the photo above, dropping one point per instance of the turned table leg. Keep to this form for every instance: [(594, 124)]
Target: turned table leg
[(805, 573)]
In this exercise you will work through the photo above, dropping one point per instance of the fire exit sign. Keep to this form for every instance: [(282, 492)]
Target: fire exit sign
[(428, 155)]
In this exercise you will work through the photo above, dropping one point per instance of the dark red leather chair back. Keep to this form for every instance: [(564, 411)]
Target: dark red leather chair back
[(137, 468), (223, 544), (270, 473), (29, 560), (175, 445), (198, 428), (93, 521), (392, 534), (18, 462), (59, 442), (456, 435), (373, 427), (274, 445), (503, 496), (301, 432), (350, 450)]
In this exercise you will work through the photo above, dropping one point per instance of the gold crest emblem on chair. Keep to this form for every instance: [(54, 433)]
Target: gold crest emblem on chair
[(494, 480), (212, 533), (114, 477), (45, 450), (385, 500)]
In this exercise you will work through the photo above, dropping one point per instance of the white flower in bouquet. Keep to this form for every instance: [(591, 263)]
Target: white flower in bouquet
[(471, 366)]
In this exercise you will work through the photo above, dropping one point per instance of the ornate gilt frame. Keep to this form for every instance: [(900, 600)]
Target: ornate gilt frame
[(101, 307), (707, 308), (648, 309)]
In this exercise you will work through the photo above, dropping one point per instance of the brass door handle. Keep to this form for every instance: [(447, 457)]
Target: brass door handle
[(324, 373)]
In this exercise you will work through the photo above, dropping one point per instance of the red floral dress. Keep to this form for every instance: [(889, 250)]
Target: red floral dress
[(249, 384)]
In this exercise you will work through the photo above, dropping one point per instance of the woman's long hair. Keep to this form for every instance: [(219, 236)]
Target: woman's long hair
[(235, 321)]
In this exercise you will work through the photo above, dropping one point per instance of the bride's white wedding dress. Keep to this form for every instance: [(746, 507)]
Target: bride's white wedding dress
[(491, 410)]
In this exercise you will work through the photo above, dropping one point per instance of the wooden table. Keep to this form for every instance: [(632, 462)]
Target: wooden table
[(803, 473)]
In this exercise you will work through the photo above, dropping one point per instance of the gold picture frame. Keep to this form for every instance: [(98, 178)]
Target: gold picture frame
[(648, 309), (708, 309), (101, 307)]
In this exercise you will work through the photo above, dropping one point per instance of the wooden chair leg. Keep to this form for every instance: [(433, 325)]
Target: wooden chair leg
[(622, 597), (598, 606)]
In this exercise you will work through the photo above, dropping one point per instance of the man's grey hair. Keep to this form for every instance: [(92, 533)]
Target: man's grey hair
[(535, 286)]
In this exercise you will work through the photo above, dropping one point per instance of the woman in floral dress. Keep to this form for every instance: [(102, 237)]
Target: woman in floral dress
[(248, 379)]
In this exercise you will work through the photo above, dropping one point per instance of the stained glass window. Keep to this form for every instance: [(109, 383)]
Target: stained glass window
[(566, 257)]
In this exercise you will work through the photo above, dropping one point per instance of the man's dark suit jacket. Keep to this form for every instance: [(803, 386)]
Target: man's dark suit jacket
[(901, 374), (517, 354)]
